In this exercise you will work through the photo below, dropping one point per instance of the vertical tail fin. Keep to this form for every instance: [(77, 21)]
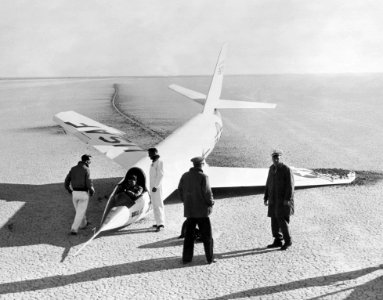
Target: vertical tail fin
[(216, 83), (212, 101)]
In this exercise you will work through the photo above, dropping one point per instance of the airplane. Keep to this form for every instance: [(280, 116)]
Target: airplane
[(197, 137)]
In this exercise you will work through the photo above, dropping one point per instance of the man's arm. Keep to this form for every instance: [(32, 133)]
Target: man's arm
[(206, 191), (67, 183), (159, 175), (120, 188), (180, 188), (266, 196), (289, 192), (89, 183), (135, 194)]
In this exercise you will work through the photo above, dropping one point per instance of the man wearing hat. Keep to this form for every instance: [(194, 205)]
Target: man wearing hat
[(196, 194), (79, 184), (156, 176), (279, 197)]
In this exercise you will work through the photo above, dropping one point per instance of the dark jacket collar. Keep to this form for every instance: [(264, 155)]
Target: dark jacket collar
[(81, 163), (280, 165), (196, 169)]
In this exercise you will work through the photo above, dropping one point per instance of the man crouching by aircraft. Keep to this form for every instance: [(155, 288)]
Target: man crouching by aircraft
[(79, 179), (196, 194), (279, 197)]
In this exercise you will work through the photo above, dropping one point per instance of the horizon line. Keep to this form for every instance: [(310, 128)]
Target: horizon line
[(191, 75)]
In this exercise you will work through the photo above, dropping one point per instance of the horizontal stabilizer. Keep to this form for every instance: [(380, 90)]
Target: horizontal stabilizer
[(187, 93), (220, 177), (198, 97), (243, 104), (105, 139)]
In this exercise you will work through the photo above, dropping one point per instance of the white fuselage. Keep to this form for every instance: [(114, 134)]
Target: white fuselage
[(197, 137)]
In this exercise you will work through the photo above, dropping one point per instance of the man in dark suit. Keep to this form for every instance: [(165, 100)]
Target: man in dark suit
[(279, 197), (196, 194)]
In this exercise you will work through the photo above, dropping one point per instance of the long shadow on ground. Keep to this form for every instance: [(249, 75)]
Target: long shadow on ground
[(335, 279), (137, 267), (169, 263)]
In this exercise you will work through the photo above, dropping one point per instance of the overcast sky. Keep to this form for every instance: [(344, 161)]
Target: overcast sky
[(181, 37)]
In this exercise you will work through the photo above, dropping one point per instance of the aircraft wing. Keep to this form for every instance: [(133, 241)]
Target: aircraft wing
[(221, 103), (105, 139), (243, 104), (220, 177), (187, 92)]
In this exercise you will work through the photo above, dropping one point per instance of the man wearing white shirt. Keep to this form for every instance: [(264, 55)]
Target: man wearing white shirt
[(156, 176)]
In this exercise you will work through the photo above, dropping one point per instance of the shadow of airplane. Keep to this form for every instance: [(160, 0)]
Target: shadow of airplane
[(221, 193), (335, 279), (47, 212)]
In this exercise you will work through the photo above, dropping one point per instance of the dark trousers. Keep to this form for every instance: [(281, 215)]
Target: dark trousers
[(204, 226), (280, 228)]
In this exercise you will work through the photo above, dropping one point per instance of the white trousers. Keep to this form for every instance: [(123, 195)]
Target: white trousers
[(158, 207), (80, 202)]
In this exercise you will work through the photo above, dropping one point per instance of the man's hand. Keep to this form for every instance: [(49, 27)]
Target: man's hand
[(209, 210), (266, 202), (91, 191), (154, 190), (69, 191)]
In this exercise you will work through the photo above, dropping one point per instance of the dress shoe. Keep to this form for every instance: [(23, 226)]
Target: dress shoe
[(73, 233), (86, 225), (286, 246), (159, 228), (212, 261), (275, 244), (154, 226)]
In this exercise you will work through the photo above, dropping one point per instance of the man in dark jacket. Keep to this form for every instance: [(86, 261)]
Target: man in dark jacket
[(196, 194), (279, 197), (79, 184)]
